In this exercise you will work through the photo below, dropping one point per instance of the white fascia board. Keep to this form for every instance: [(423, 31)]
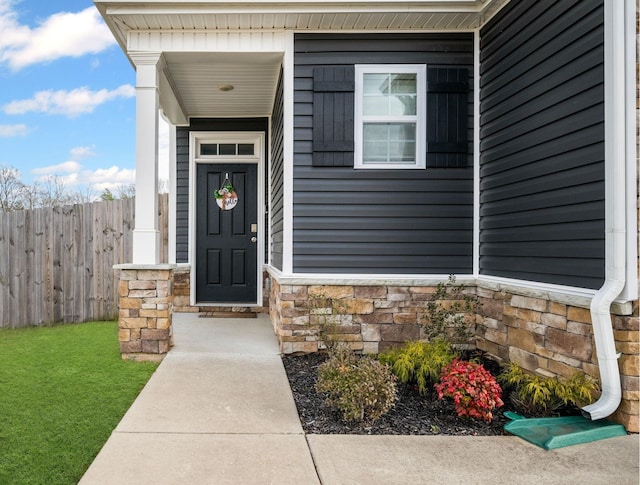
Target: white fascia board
[(164, 7), (207, 41)]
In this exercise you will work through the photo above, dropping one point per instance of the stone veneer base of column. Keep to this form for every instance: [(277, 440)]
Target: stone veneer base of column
[(145, 295)]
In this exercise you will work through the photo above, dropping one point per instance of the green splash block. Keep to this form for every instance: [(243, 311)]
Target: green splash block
[(551, 433)]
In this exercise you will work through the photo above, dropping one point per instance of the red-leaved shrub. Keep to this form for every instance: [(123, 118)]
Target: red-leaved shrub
[(473, 389)]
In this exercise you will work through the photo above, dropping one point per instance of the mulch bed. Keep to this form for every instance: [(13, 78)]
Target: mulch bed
[(413, 414)]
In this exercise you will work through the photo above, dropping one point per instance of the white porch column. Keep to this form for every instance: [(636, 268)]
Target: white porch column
[(146, 237)]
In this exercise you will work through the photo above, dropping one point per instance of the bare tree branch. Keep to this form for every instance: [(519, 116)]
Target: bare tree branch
[(10, 189)]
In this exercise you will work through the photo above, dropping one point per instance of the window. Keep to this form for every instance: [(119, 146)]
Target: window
[(390, 116), (228, 149)]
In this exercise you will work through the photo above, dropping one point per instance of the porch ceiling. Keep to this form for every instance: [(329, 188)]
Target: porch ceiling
[(196, 79)]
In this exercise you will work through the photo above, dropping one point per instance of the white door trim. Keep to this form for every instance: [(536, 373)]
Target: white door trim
[(256, 137)]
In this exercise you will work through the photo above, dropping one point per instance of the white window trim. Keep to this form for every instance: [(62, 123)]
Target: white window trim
[(248, 138), (420, 118)]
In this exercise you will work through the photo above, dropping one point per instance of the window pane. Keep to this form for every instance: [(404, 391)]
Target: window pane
[(374, 152), (389, 142), (208, 149), (402, 104), (389, 94), (402, 152), (245, 149), (402, 131), (403, 83), (375, 131), (376, 83), (376, 105), (227, 148)]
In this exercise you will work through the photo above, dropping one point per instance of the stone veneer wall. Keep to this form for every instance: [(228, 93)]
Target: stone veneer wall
[(556, 339), (182, 299), (544, 336), (144, 321), (370, 319)]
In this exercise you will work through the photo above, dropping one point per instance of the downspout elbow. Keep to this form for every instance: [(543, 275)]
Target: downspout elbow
[(606, 351)]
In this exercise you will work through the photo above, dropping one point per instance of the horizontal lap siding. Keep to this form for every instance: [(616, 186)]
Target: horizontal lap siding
[(182, 195), (379, 221), (542, 143), (277, 178)]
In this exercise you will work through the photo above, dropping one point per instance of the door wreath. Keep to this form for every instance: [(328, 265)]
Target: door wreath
[(226, 196)]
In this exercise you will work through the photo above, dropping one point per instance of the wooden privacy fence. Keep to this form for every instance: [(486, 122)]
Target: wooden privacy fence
[(56, 263)]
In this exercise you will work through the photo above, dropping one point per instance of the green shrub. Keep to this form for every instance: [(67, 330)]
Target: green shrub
[(419, 362), (447, 313), (543, 396), (473, 389), (361, 388)]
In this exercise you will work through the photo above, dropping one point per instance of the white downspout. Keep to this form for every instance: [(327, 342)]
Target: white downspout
[(615, 208)]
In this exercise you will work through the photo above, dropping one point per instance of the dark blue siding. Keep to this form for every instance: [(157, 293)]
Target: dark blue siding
[(542, 143), (379, 221), (277, 178), (182, 195)]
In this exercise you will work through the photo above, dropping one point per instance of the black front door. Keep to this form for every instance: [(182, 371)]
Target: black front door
[(226, 249)]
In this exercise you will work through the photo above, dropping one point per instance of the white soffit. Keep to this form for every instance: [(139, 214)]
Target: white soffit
[(124, 16)]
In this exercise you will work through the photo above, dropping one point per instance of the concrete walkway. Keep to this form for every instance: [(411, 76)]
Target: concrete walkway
[(219, 410)]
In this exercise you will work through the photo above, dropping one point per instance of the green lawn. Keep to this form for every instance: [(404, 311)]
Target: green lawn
[(63, 390)]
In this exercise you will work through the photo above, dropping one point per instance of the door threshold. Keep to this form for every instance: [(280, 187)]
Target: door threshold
[(228, 315)]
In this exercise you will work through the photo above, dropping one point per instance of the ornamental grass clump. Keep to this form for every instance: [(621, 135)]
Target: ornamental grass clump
[(473, 389), (361, 388), (419, 362), (534, 395)]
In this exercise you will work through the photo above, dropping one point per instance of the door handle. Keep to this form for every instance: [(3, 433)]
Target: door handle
[(254, 239)]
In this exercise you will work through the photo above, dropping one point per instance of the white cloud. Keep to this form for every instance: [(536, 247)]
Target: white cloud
[(63, 34), (109, 178), (65, 167), (10, 131), (70, 103), (73, 174), (78, 153)]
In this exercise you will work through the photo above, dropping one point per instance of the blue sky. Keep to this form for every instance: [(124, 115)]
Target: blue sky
[(67, 103)]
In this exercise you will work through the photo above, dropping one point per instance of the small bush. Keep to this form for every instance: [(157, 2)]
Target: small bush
[(419, 362), (325, 316), (447, 312), (544, 396), (361, 388), (473, 389)]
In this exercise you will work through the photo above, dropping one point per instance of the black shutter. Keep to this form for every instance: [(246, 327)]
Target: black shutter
[(333, 105), (447, 117)]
